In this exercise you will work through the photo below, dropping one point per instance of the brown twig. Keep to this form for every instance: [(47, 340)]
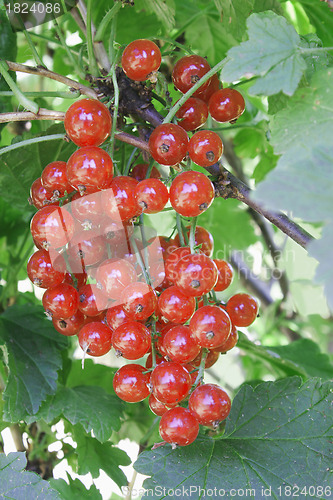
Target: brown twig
[(41, 71), (43, 114)]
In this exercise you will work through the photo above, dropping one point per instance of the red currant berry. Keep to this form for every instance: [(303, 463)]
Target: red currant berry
[(90, 168), (42, 272), (156, 406), (86, 248), (114, 275), (119, 201), (151, 195), (77, 280), (69, 326), (195, 275), (188, 71), (88, 209), (179, 426), (131, 340), (226, 105), (91, 300), (192, 114), (191, 193), (207, 93), (141, 58), (205, 148), (54, 178), (88, 122), (139, 301), (95, 338), (211, 359), (171, 382), (230, 342), (210, 326), (149, 360), (209, 404), (225, 275), (61, 301), (168, 144), (242, 309), (39, 196), (202, 239), (116, 316), (131, 384), (173, 260), (139, 172), (180, 345), (175, 306), (52, 227)]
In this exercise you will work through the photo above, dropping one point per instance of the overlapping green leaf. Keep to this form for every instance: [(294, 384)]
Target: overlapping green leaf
[(276, 434), (89, 406), (302, 357), (75, 490), (17, 483), (271, 53), (34, 358)]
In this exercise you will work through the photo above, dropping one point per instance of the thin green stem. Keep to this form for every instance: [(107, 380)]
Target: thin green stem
[(130, 159), (192, 233), (35, 54), (144, 242), (201, 367), (93, 68), (308, 50), (182, 47), (153, 340), (140, 262), (195, 87), (150, 168), (63, 95), (69, 269), (26, 103), (103, 25), (68, 50), (115, 108), (22, 144), (180, 230)]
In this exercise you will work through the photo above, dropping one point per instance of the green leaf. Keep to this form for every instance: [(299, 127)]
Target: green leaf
[(230, 226), (93, 456), (322, 251), (93, 374), (321, 18), (89, 406), (302, 357), (8, 50), (164, 11), (75, 490), (20, 167), (18, 484), (34, 359), (271, 54), (277, 434)]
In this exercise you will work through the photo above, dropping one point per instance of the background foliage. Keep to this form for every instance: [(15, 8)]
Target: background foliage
[(279, 430)]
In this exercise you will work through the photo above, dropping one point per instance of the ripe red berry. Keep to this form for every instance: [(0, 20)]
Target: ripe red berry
[(88, 208), (139, 301), (225, 275), (226, 105), (205, 148), (192, 114), (175, 306), (151, 195), (210, 326), (212, 356), (179, 426), (113, 275), (39, 196), (140, 58), (54, 178), (131, 384), (92, 300), (191, 193), (86, 248), (131, 339), (52, 227), (173, 260), (202, 238), (230, 342), (90, 167), (88, 122), (195, 275), (156, 406), (95, 338), (41, 270), (119, 201), (69, 326), (168, 144), (140, 170), (180, 345), (242, 309), (214, 85), (116, 316), (171, 382), (209, 404), (61, 301), (187, 71)]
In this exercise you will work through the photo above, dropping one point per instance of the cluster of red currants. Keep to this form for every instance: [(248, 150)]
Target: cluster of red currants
[(112, 287)]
